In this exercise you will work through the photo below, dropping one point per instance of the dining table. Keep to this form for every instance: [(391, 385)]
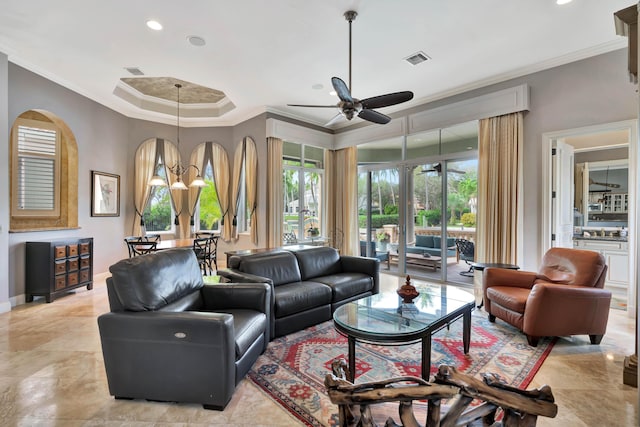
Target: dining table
[(174, 243)]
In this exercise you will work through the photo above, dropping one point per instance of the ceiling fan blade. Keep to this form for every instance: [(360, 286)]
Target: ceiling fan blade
[(334, 119), (387, 100), (341, 89), (374, 116), (314, 106), (604, 184)]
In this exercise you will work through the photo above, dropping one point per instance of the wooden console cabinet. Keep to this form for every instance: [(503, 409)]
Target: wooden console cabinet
[(58, 266)]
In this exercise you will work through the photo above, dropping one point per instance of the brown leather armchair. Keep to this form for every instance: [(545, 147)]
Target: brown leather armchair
[(565, 296)]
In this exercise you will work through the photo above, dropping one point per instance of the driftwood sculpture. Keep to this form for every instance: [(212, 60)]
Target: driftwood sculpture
[(511, 406)]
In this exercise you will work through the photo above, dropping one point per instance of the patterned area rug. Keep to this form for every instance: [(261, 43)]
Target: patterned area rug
[(293, 368)]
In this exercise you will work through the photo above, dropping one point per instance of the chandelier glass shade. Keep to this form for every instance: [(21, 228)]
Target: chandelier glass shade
[(178, 170)]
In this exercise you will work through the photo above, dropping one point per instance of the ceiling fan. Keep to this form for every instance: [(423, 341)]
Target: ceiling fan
[(363, 108), (437, 167), (604, 184)]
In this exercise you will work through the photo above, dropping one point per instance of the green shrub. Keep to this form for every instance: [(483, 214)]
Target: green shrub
[(391, 210), (468, 219), (431, 217), (377, 221)]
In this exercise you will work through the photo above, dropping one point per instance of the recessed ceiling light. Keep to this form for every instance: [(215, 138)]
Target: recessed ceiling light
[(317, 86), (196, 40), (154, 25), (561, 2)]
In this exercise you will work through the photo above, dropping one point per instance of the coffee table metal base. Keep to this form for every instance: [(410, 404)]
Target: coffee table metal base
[(464, 312)]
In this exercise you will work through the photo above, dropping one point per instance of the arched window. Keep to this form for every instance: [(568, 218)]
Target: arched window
[(209, 206), (44, 173), (155, 205)]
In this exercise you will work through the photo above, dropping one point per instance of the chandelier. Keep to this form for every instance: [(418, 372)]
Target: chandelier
[(178, 170)]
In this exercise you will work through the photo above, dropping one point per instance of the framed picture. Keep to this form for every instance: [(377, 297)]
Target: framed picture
[(105, 194)]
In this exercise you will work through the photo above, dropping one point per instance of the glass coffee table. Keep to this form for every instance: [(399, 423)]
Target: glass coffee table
[(384, 319)]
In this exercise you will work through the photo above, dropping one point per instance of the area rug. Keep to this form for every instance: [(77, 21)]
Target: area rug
[(293, 368)]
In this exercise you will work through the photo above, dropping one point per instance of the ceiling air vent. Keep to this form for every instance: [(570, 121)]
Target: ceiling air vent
[(417, 58), (135, 71)]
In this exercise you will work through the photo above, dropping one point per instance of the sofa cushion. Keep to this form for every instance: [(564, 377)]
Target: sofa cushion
[(150, 282), (346, 285), (424, 241), (437, 242), (280, 267), (300, 296), (320, 261)]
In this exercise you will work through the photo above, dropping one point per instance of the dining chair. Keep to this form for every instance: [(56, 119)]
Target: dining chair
[(139, 246), (213, 254), (202, 248), (152, 237)]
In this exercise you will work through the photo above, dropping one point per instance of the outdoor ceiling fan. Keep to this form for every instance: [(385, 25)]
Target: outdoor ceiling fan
[(437, 167), (363, 108)]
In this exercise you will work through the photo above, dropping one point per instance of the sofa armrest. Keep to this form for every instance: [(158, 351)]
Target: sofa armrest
[(368, 266), (566, 309), (492, 277), (199, 348), (251, 296), (237, 276)]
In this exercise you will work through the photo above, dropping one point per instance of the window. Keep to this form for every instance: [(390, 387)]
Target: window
[(44, 173), (303, 180), (209, 213), (37, 160), (158, 212)]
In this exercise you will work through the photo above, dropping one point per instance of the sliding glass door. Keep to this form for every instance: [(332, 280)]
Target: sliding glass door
[(419, 207)]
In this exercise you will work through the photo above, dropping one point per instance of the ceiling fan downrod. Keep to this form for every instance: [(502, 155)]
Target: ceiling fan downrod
[(350, 16)]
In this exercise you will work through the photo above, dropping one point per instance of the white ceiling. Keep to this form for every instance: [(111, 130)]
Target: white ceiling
[(265, 54)]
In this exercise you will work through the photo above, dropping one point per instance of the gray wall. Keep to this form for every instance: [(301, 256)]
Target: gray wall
[(101, 134), (588, 92), (4, 185)]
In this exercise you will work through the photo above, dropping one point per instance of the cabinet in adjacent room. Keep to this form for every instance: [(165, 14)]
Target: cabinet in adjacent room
[(58, 266), (616, 255)]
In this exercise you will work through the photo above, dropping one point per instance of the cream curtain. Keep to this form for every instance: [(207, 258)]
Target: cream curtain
[(499, 188), (172, 157), (341, 171), (275, 198), (143, 170), (251, 176), (220, 160), (245, 164)]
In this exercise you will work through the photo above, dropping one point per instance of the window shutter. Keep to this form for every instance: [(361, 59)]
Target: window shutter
[(36, 169)]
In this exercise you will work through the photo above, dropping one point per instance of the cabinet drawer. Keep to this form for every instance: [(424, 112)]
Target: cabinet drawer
[(72, 279), (84, 248), (72, 264), (60, 252), (61, 282), (60, 268), (85, 262), (84, 276), (72, 250)]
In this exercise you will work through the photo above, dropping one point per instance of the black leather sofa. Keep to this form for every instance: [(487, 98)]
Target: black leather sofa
[(307, 284), (170, 337)]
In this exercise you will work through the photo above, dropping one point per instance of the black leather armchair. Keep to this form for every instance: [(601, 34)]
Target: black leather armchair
[(170, 337)]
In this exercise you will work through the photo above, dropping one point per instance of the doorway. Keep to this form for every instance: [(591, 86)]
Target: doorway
[(599, 204)]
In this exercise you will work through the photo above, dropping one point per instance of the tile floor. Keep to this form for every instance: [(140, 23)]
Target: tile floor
[(51, 374)]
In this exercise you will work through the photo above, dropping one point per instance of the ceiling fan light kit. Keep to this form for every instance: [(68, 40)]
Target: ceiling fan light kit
[(351, 107)]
